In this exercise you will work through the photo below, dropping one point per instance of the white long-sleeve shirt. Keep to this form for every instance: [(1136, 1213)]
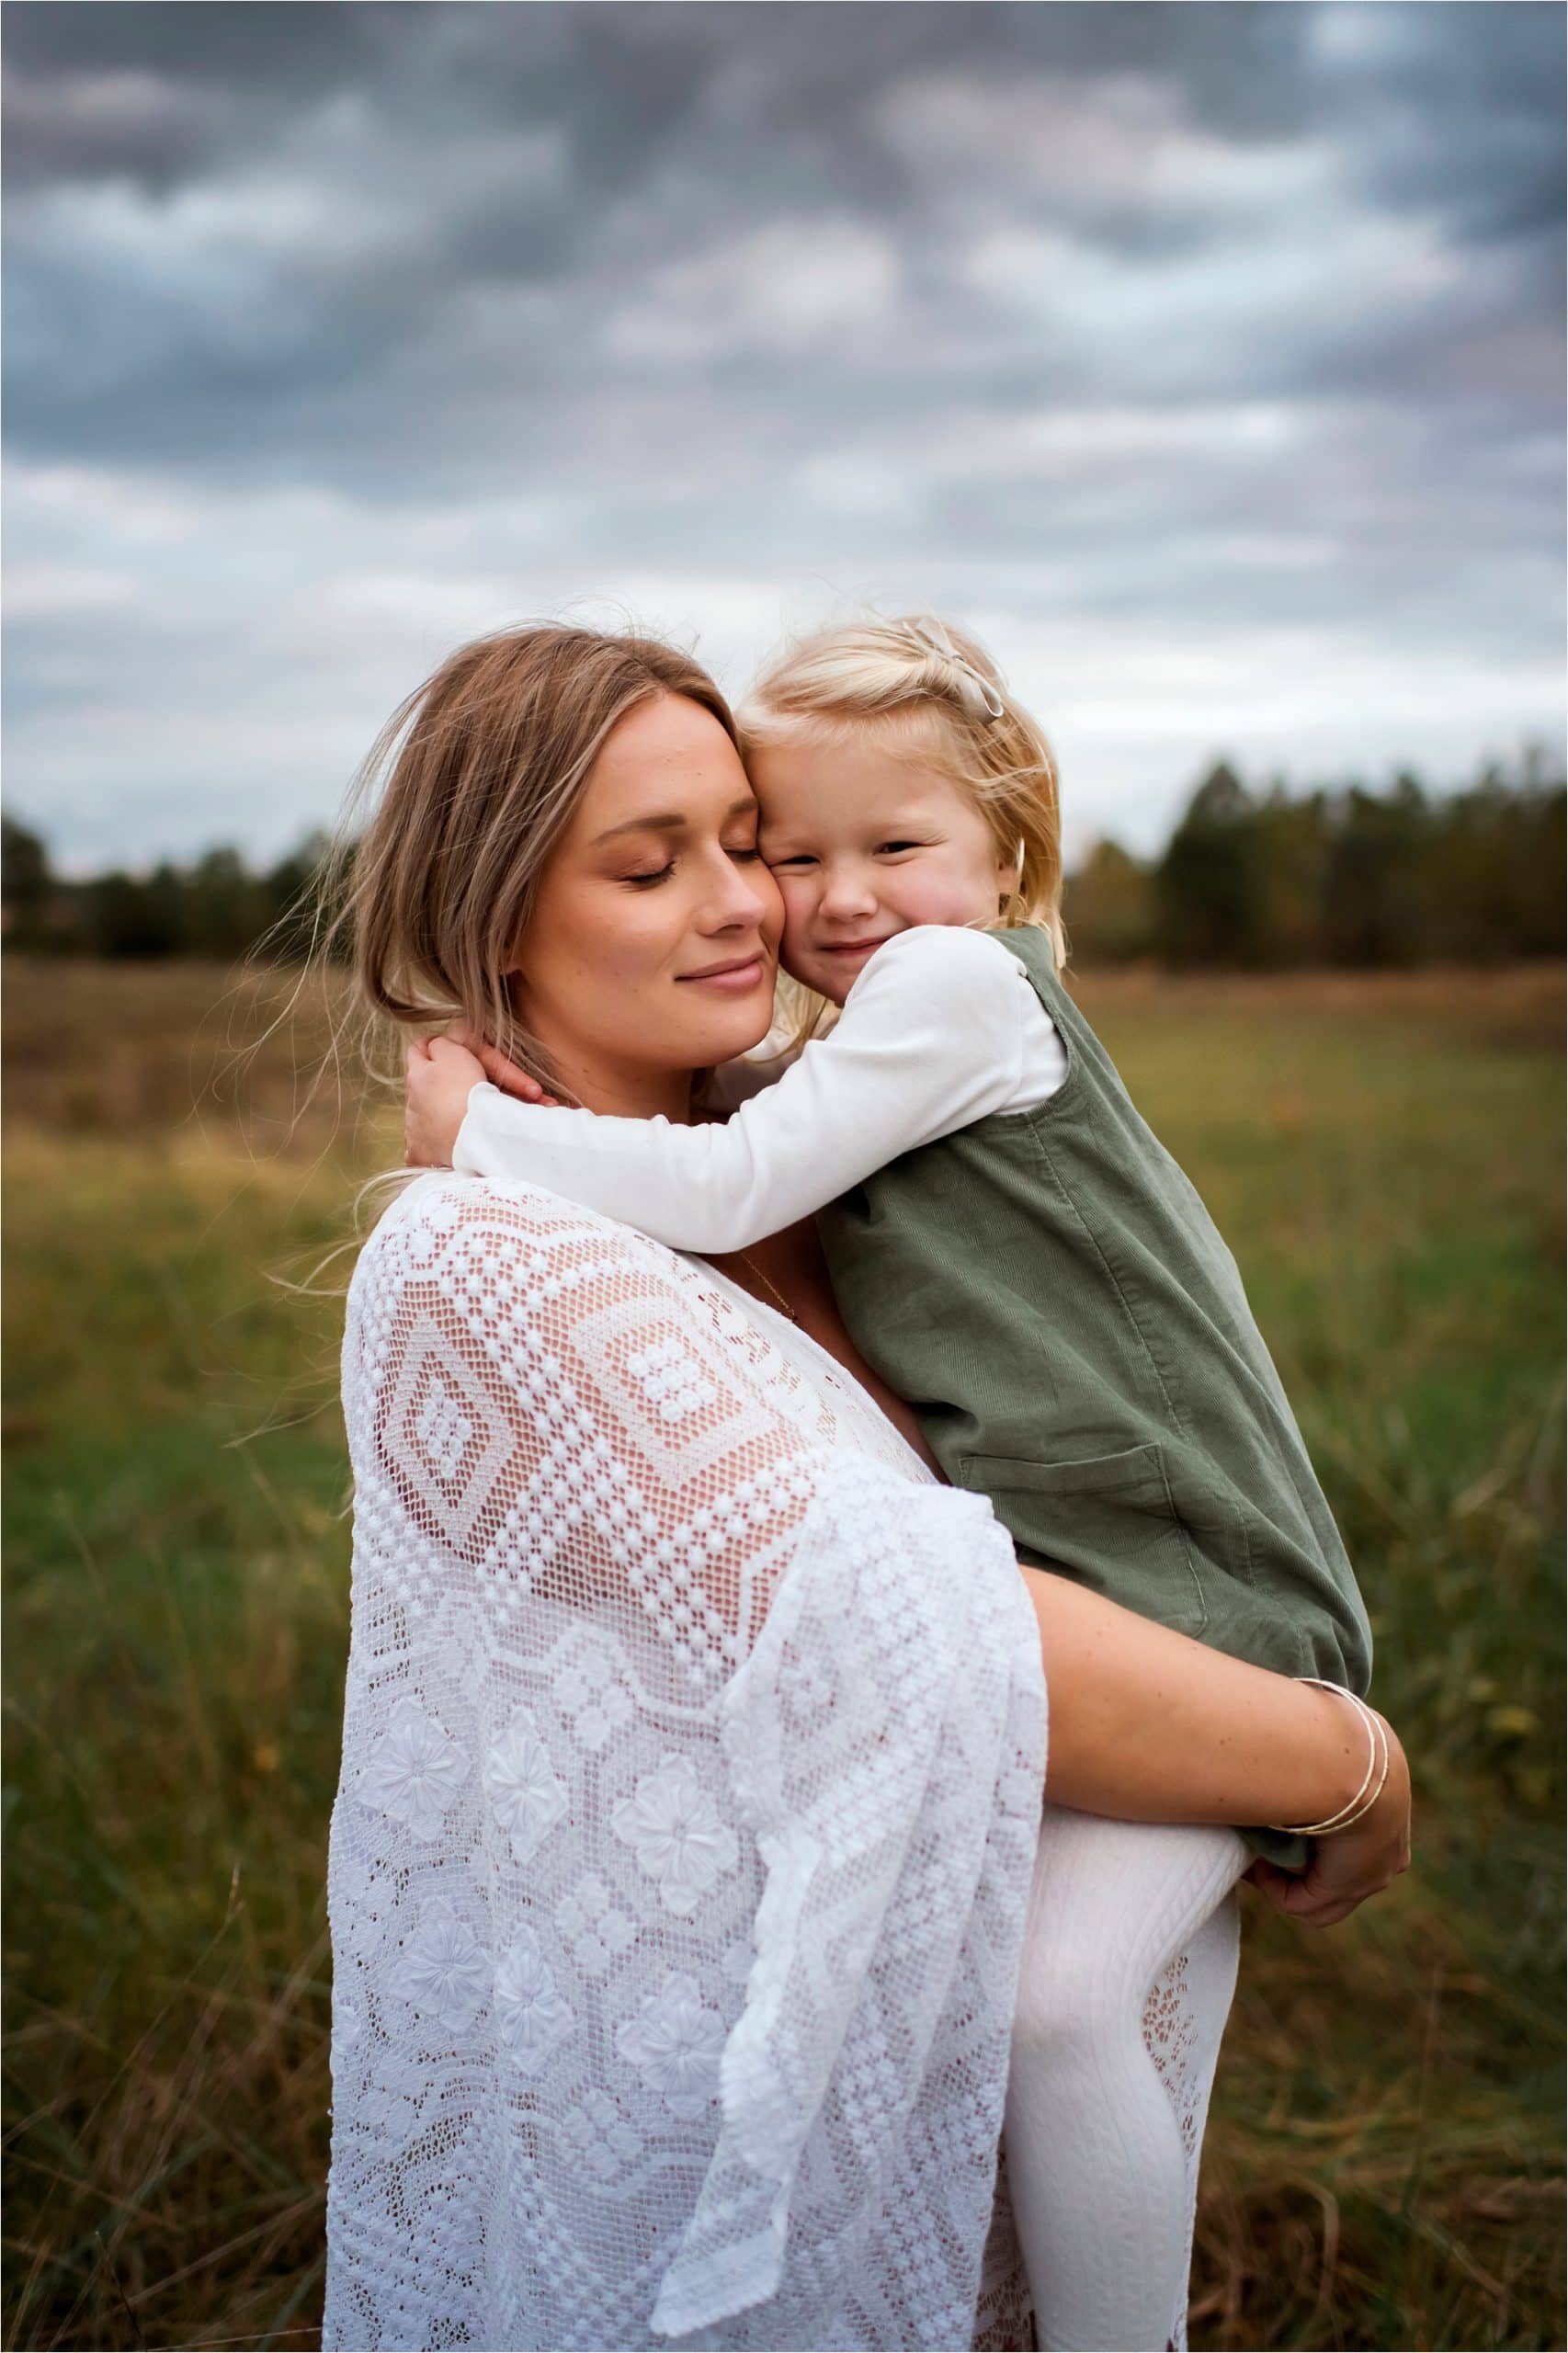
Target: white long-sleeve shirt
[(942, 1027)]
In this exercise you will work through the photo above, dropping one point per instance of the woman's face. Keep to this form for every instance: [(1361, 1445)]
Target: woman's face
[(653, 945)]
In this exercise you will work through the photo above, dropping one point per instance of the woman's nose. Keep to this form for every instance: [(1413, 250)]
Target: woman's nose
[(745, 894)]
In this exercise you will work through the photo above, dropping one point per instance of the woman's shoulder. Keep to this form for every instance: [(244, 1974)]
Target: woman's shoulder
[(444, 1216)]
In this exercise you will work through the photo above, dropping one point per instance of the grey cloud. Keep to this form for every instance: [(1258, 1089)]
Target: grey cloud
[(678, 126), (424, 315)]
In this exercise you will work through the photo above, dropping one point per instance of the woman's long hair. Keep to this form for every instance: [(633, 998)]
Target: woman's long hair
[(469, 786)]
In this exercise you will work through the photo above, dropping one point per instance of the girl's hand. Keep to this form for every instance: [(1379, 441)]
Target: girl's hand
[(507, 1075), (1352, 1864), (441, 1076)]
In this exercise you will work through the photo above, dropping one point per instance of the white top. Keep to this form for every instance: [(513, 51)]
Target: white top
[(692, 1756), (941, 1028)]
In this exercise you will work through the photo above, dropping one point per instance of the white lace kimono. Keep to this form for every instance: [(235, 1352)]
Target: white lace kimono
[(692, 1762)]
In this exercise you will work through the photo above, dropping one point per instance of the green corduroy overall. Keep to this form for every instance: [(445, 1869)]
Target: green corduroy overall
[(1048, 1291)]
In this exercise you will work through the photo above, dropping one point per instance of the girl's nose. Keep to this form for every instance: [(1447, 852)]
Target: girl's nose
[(847, 891)]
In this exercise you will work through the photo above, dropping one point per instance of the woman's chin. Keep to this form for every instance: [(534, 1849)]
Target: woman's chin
[(741, 1036), (730, 1030)]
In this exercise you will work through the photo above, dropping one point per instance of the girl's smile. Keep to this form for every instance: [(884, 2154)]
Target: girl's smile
[(865, 842)]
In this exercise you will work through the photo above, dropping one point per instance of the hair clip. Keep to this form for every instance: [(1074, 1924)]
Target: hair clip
[(931, 634)]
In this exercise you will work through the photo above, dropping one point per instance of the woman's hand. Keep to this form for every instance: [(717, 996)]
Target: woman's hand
[(1148, 1725), (1351, 1864)]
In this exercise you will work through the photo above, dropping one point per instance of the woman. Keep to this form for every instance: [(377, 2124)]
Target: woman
[(694, 1739)]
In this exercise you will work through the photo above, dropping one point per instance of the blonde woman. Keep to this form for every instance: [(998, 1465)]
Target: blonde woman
[(1013, 1251), (694, 1740)]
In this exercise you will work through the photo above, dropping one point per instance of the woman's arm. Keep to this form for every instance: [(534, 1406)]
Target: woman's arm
[(1147, 1725)]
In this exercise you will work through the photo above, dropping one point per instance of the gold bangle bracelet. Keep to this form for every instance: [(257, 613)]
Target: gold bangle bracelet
[(1377, 1754)]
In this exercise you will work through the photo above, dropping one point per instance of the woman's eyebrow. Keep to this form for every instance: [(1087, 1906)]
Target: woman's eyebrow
[(670, 822)]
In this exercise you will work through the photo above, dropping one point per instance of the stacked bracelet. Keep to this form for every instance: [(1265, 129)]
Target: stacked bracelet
[(1372, 1780)]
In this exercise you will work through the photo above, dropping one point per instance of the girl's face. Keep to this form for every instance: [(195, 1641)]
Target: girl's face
[(863, 842), (653, 948)]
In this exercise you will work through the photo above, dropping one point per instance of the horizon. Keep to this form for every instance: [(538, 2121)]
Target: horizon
[(1522, 772)]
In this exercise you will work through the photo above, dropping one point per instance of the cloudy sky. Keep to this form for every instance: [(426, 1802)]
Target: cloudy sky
[(1207, 359)]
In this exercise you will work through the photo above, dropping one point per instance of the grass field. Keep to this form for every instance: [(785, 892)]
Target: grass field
[(1385, 2160)]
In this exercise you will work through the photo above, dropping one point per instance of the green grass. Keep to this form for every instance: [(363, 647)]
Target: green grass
[(1383, 2166)]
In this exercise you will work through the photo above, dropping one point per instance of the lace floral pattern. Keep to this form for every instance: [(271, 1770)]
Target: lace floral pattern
[(531, 2015), (442, 1970), (692, 1755), (674, 1828), (1170, 2036), (526, 1795), (414, 1772), (1184, 2019), (674, 2043)]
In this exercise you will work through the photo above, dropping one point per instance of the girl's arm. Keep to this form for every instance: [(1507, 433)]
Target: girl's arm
[(932, 1037), (1147, 1725)]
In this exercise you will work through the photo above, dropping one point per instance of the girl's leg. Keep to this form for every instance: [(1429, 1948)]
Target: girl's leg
[(1122, 1998), (1184, 2019)]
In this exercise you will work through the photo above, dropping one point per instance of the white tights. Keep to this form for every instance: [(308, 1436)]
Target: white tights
[(1129, 1967)]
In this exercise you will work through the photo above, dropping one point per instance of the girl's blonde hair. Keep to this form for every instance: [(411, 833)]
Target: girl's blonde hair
[(475, 779), (930, 689)]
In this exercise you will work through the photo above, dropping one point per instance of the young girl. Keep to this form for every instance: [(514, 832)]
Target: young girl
[(1016, 1253)]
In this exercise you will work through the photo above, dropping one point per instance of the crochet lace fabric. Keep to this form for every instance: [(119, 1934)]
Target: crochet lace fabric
[(693, 1749)]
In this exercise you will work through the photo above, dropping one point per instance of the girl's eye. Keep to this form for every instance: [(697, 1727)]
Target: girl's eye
[(886, 848), (641, 881), (784, 865)]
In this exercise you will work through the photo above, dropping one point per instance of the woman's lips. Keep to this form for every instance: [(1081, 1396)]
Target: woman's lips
[(728, 980)]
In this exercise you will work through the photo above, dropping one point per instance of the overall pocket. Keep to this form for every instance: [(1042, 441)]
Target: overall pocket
[(1108, 1520)]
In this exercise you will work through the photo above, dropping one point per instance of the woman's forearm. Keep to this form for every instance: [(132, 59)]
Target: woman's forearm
[(1149, 1726)]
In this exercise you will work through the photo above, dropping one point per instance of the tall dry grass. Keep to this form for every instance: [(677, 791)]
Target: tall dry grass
[(1384, 2159)]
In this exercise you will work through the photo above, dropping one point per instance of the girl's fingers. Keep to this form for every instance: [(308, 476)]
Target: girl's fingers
[(510, 1079), (509, 1076)]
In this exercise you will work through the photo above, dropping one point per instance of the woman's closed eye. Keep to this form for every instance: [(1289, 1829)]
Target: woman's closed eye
[(744, 853)]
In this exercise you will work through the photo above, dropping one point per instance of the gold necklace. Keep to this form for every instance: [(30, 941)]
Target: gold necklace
[(768, 1285)]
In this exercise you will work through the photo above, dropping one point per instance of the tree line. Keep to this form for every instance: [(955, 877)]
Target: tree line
[(1253, 878), (1260, 880), (217, 906)]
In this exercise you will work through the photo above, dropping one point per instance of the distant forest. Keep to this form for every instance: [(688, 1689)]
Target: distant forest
[(1253, 878)]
